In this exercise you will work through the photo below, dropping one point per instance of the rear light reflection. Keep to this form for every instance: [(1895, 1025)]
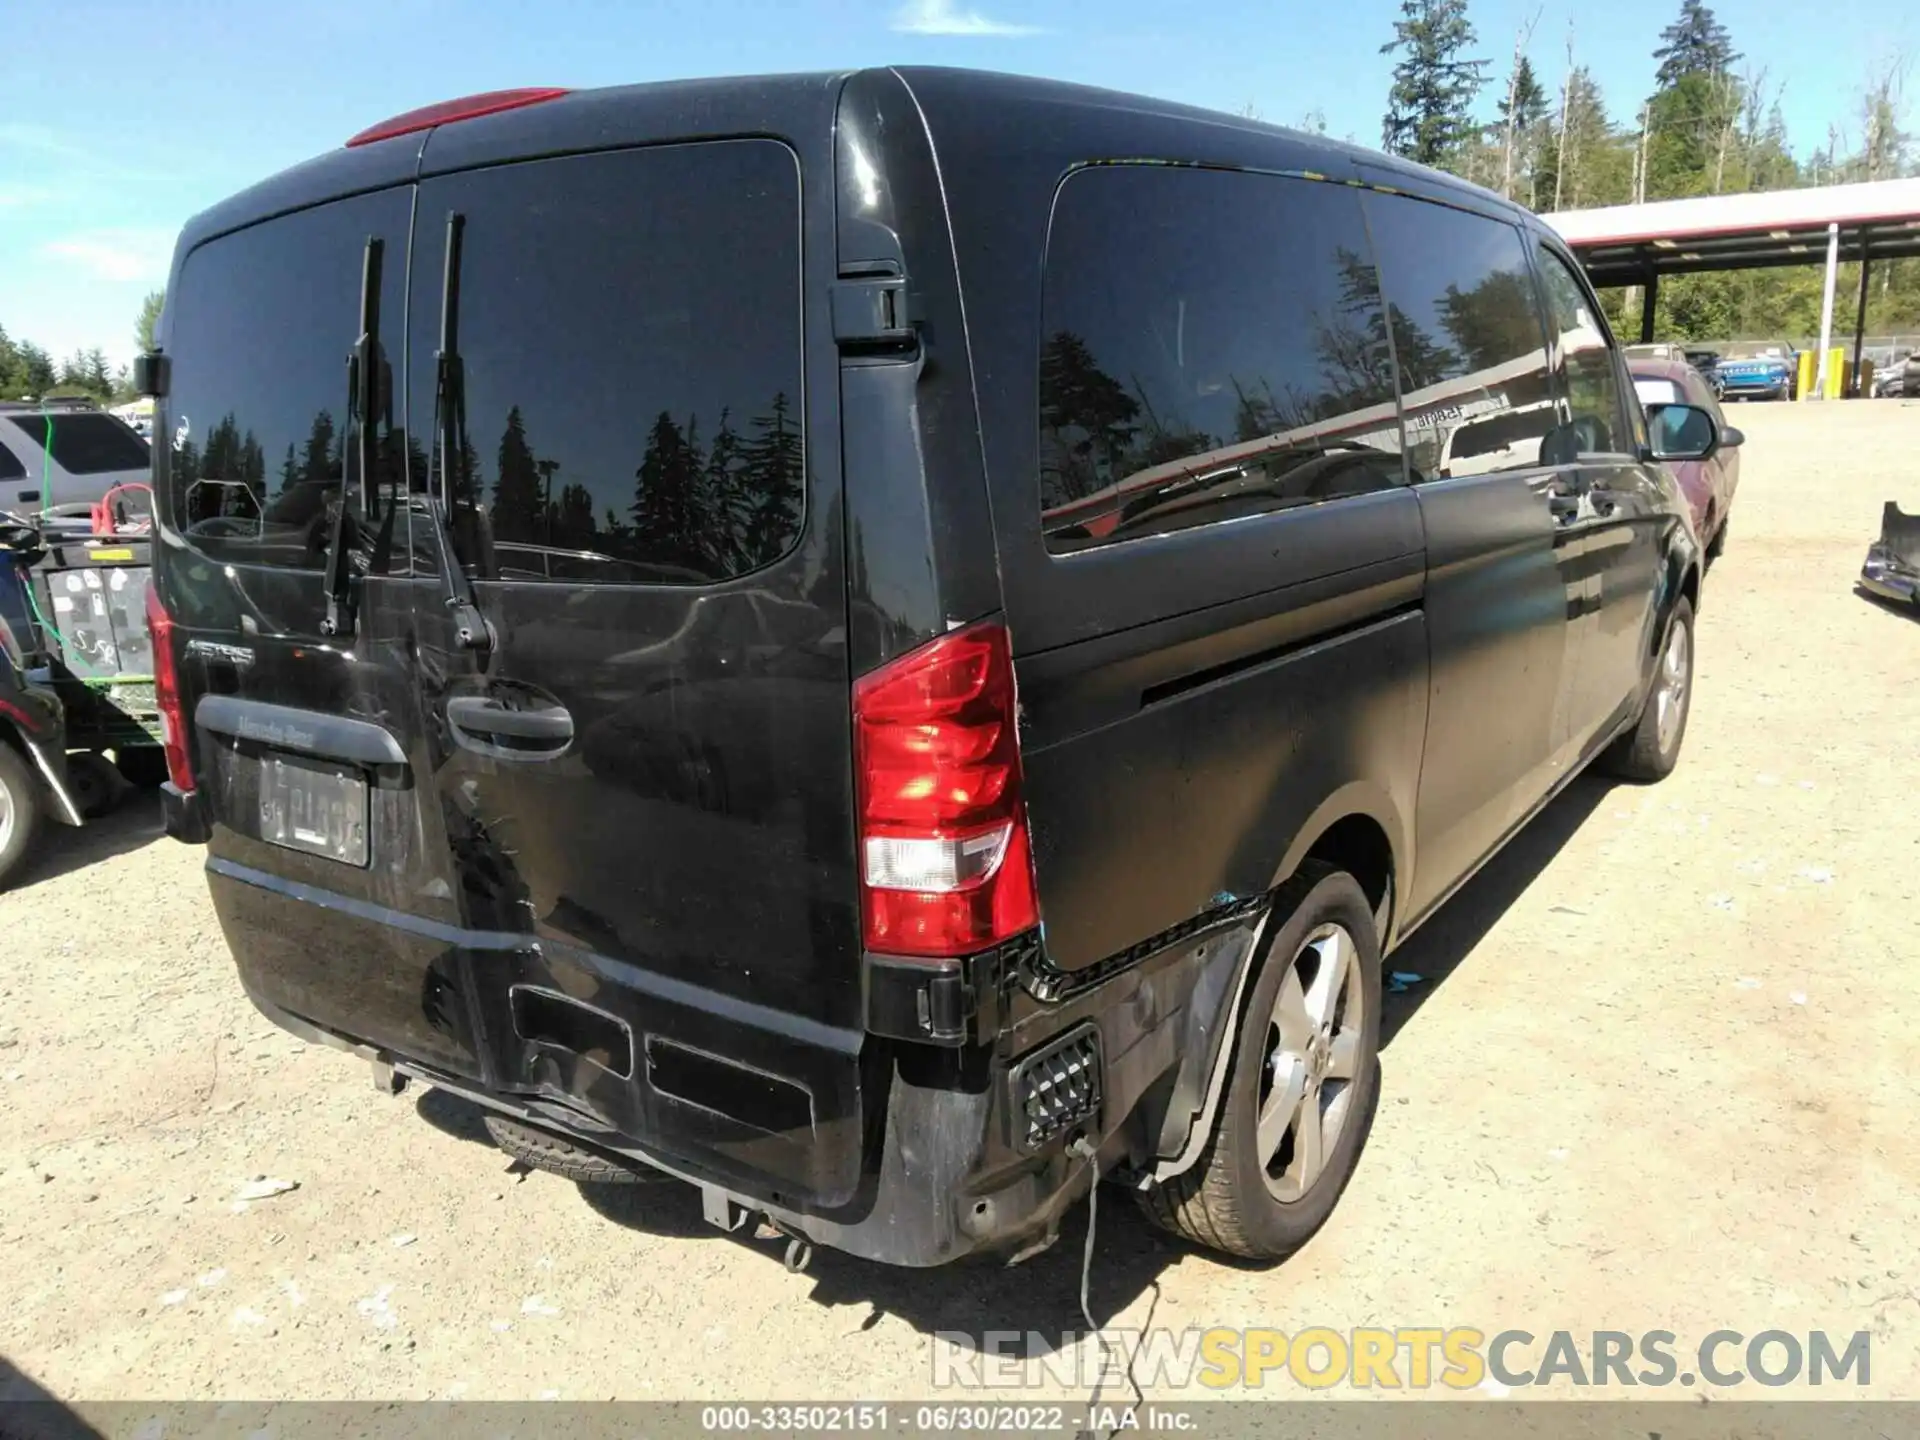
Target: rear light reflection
[(946, 868)]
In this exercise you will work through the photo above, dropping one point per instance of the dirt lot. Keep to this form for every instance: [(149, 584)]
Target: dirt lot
[(1659, 1074)]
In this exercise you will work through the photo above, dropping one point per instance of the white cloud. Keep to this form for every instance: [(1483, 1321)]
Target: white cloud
[(945, 17), (120, 255)]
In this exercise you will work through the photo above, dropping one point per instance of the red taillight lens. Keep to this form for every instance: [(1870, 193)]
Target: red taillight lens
[(946, 868), (468, 107), (166, 694)]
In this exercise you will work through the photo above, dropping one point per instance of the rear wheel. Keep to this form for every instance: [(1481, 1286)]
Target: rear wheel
[(1300, 1094), (1650, 750), (544, 1150), (20, 811), (96, 786)]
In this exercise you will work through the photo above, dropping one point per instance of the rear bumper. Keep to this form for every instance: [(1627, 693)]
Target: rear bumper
[(186, 818), (927, 1160)]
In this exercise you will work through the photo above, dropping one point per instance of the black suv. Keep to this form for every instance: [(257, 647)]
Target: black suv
[(884, 642)]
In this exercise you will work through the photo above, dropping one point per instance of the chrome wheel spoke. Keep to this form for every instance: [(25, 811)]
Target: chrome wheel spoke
[(1343, 1056), (1291, 1015), (1282, 1105), (1336, 959), (1309, 1152)]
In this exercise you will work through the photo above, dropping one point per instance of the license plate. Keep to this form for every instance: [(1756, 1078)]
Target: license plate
[(316, 808)]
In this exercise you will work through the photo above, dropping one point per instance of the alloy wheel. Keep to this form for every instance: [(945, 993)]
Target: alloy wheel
[(1310, 1062)]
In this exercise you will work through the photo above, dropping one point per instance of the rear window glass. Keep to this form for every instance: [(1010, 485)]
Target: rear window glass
[(85, 444), (630, 327), (1470, 338), (1212, 348), (257, 408)]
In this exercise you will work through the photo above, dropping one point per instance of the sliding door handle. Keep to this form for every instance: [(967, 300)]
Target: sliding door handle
[(486, 726)]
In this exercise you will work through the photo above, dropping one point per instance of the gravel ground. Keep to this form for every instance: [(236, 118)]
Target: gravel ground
[(1657, 1075)]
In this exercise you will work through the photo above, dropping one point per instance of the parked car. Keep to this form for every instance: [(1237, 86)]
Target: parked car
[(64, 455), (1909, 373), (1708, 484), (1764, 371), (1184, 685)]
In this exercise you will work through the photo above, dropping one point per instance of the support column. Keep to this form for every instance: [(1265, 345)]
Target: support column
[(1826, 309), (1860, 313), (1648, 296)]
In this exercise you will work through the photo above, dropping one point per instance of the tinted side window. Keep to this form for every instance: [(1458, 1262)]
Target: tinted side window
[(10, 466), (262, 325), (630, 324), (84, 444), (1468, 335), (1588, 378), (1212, 347)]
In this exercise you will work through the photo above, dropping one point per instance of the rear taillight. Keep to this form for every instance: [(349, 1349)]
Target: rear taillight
[(166, 694), (946, 869)]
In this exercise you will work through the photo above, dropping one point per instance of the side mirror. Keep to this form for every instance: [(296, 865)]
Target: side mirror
[(1731, 438), (1682, 432)]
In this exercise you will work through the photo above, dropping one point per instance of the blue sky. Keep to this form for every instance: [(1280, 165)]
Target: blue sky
[(121, 120)]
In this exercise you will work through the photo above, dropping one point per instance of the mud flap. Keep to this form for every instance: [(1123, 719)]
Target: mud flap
[(51, 762)]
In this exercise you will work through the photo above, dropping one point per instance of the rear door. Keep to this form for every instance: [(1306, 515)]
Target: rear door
[(650, 772), (305, 743)]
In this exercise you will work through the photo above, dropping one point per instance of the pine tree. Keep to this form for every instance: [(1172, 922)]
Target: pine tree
[(35, 368), (1695, 44), (99, 374), (1429, 108), (516, 489), (148, 318), (316, 464), (289, 470), (666, 496), (1087, 418), (773, 462)]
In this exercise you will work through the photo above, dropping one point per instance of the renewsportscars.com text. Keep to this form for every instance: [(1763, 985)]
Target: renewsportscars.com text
[(1406, 1358)]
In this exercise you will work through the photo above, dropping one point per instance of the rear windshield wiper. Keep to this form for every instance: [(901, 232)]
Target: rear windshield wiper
[(471, 629), (365, 383)]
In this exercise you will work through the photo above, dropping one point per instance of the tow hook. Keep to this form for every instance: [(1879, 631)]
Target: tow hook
[(799, 1254)]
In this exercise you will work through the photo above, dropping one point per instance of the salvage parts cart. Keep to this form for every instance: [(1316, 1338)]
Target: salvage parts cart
[(78, 718)]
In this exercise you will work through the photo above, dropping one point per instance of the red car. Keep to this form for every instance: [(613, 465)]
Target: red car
[(1708, 484)]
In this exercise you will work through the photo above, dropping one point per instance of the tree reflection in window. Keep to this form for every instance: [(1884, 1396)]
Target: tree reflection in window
[(1215, 348)]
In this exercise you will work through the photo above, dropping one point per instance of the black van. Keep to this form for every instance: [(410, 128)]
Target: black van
[(888, 641)]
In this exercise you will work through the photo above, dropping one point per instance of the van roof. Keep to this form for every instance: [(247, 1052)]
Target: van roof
[(1103, 121)]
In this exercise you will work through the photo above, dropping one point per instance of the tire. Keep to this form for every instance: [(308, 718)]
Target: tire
[(22, 810), (1230, 1200), (94, 783), (544, 1150), (1650, 750), (144, 767)]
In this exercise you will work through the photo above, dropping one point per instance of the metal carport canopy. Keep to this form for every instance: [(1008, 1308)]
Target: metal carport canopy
[(1637, 244), (1625, 244)]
